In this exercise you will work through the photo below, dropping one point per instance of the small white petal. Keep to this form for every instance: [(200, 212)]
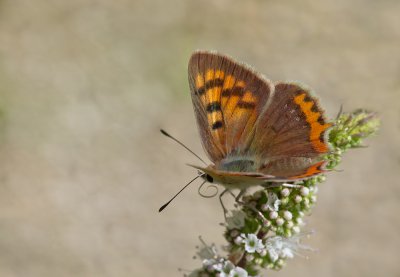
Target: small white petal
[(228, 266), (273, 201), (313, 198), (298, 199), (287, 253), (296, 229), (218, 267), (277, 203), (273, 255), (238, 272)]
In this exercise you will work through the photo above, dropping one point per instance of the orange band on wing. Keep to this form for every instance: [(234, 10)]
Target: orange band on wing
[(314, 119), (312, 170)]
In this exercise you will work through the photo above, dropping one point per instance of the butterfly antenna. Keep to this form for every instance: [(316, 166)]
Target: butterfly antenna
[(166, 204), (171, 137)]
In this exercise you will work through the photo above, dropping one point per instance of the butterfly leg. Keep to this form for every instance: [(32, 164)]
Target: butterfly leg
[(237, 198), (222, 203), (251, 207)]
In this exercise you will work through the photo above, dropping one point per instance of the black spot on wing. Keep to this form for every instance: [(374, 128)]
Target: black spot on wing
[(235, 91), (210, 84), (216, 125), (246, 105), (213, 107)]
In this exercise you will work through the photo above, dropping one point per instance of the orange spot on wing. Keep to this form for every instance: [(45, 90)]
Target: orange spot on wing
[(219, 74), (312, 118), (229, 82), (229, 103), (214, 117), (214, 94), (210, 75), (199, 81), (249, 97)]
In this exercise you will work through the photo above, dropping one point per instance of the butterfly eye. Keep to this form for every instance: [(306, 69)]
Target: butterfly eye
[(209, 178)]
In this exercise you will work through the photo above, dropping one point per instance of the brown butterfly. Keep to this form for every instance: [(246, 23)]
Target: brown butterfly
[(252, 130)]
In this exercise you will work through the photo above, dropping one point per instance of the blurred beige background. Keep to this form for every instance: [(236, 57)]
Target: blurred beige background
[(86, 85)]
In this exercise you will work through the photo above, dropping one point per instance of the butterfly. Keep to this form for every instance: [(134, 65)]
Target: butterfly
[(254, 131)]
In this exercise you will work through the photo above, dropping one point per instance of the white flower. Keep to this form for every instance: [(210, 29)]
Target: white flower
[(238, 272), (212, 265), (232, 271), (278, 246), (236, 220), (287, 253), (252, 243), (273, 201), (223, 268), (273, 254)]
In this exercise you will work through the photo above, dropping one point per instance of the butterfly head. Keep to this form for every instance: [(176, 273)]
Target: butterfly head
[(228, 179), (207, 177)]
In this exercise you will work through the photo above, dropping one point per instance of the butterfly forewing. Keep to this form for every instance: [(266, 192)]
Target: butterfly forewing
[(228, 99)]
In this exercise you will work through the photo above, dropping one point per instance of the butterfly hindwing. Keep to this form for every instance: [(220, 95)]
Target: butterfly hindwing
[(291, 135), (228, 98)]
